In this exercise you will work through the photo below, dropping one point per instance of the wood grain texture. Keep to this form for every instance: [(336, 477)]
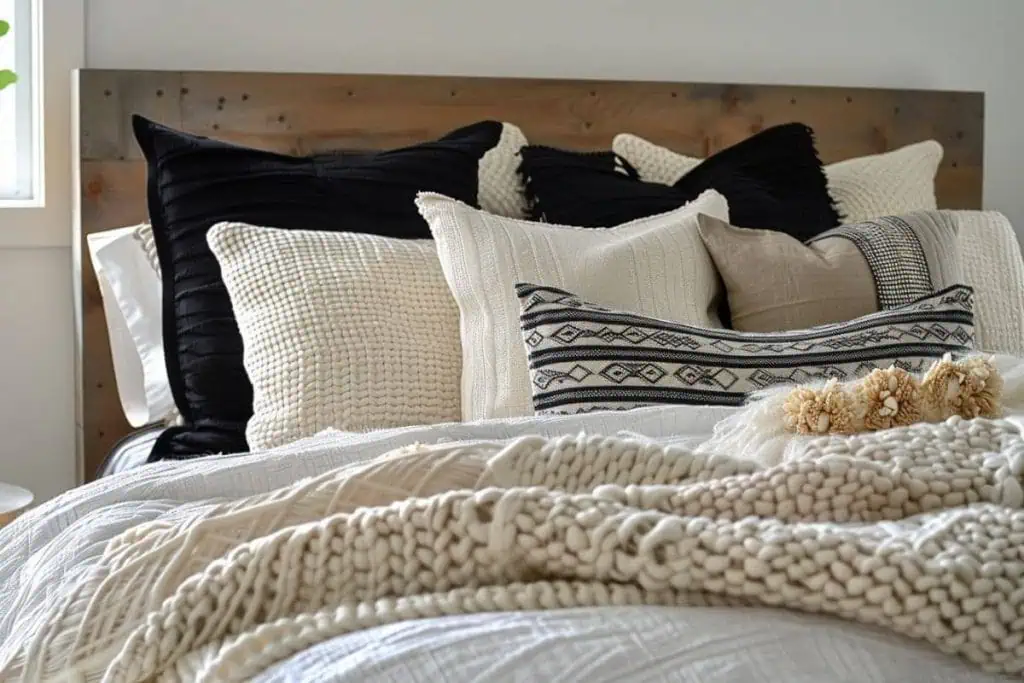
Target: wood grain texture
[(302, 113)]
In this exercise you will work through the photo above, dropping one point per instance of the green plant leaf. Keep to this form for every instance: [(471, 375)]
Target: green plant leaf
[(4, 28), (7, 77)]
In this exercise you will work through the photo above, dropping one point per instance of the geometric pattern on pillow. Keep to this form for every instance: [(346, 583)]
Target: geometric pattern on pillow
[(656, 266), (585, 358), (865, 187)]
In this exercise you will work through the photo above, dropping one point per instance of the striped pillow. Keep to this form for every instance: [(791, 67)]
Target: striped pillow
[(584, 358)]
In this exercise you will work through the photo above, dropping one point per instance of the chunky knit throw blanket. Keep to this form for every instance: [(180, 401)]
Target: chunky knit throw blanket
[(919, 529)]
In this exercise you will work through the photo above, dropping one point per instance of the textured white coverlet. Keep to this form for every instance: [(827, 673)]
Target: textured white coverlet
[(625, 645), (918, 529), (55, 545), (52, 547)]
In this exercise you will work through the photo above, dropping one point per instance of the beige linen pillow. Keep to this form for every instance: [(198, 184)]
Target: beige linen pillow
[(890, 183), (341, 330), (774, 282), (656, 266)]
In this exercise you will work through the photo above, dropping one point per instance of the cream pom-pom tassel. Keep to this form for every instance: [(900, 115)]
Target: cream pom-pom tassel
[(828, 410), (887, 398), (970, 387), (781, 422)]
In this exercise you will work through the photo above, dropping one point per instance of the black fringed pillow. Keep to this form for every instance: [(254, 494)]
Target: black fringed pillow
[(196, 182), (772, 180)]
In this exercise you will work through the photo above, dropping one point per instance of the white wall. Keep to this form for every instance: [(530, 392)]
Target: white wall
[(37, 439), (944, 44), (947, 44)]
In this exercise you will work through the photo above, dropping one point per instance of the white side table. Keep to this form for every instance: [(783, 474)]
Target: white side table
[(13, 499)]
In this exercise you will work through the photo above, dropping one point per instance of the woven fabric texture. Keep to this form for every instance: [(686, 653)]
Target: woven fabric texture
[(657, 266), (992, 263), (195, 182), (342, 330), (775, 282), (890, 183), (586, 358), (916, 529)]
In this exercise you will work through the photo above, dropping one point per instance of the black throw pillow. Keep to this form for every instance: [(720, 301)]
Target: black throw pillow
[(195, 182), (772, 180)]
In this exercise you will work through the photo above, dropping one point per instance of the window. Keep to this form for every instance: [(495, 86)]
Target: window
[(19, 145)]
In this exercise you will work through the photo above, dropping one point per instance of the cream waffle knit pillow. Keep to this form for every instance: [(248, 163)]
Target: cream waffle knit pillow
[(341, 330), (656, 266), (892, 183)]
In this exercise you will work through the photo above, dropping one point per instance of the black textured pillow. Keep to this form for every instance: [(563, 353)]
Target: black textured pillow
[(196, 182), (773, 178)]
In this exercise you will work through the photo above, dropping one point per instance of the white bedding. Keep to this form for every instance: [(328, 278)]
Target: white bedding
[(625, 645), (56, 544)]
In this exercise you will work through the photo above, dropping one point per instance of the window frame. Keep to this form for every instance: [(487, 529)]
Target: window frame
[(21, 181), (48, 220)]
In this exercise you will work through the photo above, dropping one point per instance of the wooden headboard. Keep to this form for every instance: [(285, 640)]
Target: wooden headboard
[(300, 113)]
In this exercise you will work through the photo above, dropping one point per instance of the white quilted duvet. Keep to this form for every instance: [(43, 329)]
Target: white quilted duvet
[(55, 544)]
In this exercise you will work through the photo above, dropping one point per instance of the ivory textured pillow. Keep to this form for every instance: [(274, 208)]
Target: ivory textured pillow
[(656, 266), (342, 330), (993, 265), (775, 282), (866, 187)]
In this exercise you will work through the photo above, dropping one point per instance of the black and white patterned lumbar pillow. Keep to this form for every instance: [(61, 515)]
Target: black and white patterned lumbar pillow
[(584, 357)]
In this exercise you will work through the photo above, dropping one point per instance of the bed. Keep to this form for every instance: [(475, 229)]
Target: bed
[(577, 379)]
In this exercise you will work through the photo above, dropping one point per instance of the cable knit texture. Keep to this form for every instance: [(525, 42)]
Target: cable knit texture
[(918, 529), (344, 330), (866, 187), (655, 266)]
